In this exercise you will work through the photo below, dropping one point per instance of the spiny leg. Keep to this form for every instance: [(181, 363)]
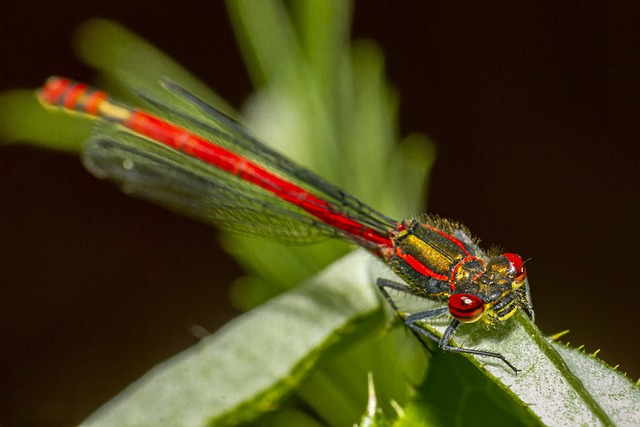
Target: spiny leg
[(414, 322), (400, 287), (385, 283), (443, 342)]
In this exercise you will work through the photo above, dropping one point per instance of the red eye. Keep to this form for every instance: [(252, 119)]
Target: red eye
[(466, 308), (518, 264)]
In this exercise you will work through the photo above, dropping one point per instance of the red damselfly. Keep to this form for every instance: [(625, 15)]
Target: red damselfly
[(204, 164)]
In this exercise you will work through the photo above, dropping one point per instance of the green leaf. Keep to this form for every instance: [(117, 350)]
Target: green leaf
[(337, 389), (266, 38), (616, 394), (250, 365), (247, 367)]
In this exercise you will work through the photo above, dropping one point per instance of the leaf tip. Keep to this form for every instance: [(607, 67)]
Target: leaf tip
[(372, 401)]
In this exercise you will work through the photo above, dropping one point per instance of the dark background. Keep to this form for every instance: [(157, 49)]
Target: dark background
[(534, 109)]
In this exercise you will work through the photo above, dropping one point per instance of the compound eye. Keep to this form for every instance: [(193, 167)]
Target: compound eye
[(518, 264), (466, 308)]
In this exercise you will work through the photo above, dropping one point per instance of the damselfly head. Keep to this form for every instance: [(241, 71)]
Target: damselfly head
[(497, 289)]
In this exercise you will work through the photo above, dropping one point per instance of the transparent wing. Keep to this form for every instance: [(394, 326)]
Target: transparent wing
[(194, 114), (194, 188)]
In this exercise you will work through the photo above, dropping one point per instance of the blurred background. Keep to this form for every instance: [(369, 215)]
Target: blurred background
[(534, 110)]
